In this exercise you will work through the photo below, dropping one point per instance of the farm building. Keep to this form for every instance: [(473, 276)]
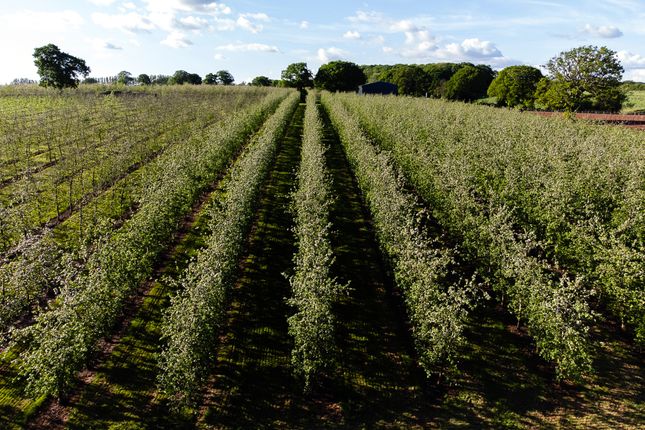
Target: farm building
[(378, 88)]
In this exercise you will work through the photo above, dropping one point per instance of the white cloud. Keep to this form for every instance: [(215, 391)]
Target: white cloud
[(169, 6), (129, 5), (366, 17), (352, 35), (379, 40), (219, 56), (637, 75), (630, 60), (388, 49), (103, 45), (304, 25), (131, 22), (176, 39), (470, 49), (419, 44), (329, 54), (403, 26), (191, 23), (40, 22), (109, 45), (248, 47), (246, 21), (102, 2), (603, 31), (257, 16)]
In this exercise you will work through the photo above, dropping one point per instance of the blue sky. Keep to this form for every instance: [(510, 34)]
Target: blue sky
[(251, 38)]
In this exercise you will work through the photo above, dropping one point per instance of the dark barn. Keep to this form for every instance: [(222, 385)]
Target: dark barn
[(383, 88)]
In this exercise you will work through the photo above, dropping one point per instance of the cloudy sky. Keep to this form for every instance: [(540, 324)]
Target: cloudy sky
[(251, 38)]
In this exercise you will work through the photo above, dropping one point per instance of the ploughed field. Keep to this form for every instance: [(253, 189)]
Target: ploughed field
[(229, 257)]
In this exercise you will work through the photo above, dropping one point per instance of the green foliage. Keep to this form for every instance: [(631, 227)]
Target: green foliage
[(144, 79), (181, 77), (224, 77), (635, 102), (633, 86), (24, 280), (210, 79), (438, 75), (515, 86), (411, 80), (550, 211), (193, 320), (436, 305), (59, 343), (262, 81), (469, 83), (560, 96), (58, 69), (297, 75), (314, 289), (124, 78), (339, 76), (587, 77)]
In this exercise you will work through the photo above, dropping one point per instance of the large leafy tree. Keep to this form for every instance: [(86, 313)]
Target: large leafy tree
[(297, 75), (515, 86), (125, 78), (584, 77), (261, 81), (181, 77), (224, 77), (144, 79), (339, 76), (411, 80), (210, 79), (58, 69), (469, 83)]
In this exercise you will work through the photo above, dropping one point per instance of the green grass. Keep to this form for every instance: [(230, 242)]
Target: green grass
[(635, 102)]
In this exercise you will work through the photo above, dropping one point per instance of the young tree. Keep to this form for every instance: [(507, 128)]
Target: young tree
[(297, 75), (592, 76), (339, 76), (58, 69), (261, 81), (225, 77), (515, 86)]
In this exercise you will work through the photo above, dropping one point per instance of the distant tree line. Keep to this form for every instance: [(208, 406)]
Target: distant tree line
[(583, 78)]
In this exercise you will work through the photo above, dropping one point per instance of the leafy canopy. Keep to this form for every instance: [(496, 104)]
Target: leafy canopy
[(411, 80), (261, 81), (515, 86), (469, 83), (181, 77), (586, 77), (58, 69), (210, 79), (125, 78), (144, 79), (224, 77), (297, 75), (339, 76)]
